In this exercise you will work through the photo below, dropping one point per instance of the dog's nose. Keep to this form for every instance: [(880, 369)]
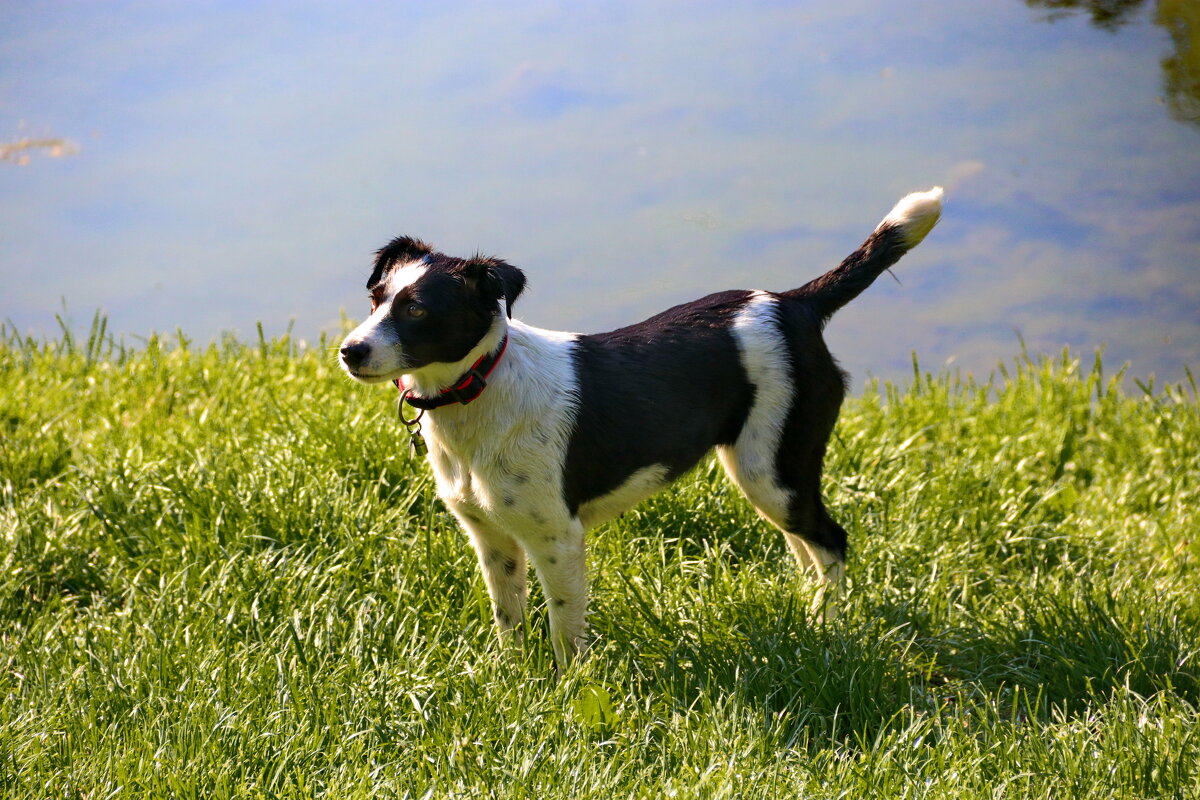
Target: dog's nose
[(355, 353)]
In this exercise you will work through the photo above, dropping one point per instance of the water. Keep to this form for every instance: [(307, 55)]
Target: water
[(236, 163)]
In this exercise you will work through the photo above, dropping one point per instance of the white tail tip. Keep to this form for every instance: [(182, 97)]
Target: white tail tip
[(916, 215)]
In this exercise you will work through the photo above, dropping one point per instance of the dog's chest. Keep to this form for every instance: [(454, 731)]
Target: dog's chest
[(511, 474)]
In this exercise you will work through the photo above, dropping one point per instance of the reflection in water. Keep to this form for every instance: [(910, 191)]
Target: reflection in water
[(1107, 14), (1182, 71), (1181, 19)]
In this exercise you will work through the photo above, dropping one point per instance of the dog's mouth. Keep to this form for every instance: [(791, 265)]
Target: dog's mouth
[(363, 376)]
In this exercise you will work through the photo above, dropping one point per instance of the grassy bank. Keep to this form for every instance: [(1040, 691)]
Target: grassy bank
[(221, 575)]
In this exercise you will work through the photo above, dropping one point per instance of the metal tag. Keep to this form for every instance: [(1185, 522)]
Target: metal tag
[(416, 442)]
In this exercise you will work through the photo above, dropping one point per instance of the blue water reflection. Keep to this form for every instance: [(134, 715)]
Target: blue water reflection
[(239, 162)]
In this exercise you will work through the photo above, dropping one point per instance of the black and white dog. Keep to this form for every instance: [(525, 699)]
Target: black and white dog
[(536, 436)]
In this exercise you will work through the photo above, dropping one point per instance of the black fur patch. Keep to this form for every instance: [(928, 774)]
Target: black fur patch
[(663, 391), (495, 278)]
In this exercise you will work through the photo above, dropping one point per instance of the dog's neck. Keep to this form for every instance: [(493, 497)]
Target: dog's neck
[(525, 405), (432, 380)]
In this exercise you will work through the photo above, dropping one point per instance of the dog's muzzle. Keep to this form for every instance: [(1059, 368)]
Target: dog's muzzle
[(355, 354)]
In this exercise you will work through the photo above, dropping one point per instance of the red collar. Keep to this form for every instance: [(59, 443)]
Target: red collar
[(469, 386)]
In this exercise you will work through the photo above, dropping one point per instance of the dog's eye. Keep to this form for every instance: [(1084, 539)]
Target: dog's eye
[(414, 310)]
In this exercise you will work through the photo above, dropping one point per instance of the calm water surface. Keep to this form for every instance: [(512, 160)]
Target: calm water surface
[(228, 163)]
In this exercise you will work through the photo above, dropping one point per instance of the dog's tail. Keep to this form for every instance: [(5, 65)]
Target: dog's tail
[(901, 230)]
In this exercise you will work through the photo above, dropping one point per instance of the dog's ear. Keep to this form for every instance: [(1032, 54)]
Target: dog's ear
[(494, 279), (402, 248)]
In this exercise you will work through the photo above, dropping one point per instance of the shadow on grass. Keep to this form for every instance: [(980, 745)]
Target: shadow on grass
[(1076, 651), (851, 681)]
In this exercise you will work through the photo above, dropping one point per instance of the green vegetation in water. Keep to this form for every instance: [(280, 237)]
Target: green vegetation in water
[(221, 575)]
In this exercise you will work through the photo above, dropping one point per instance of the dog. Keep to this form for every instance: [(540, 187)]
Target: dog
[(535, 436)]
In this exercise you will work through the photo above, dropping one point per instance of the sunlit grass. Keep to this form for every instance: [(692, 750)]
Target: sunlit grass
[(223, 576)]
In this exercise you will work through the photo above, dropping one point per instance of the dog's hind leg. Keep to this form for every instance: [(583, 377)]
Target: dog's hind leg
[(776, 457), (790, 499), (505, 572), (813, 536)]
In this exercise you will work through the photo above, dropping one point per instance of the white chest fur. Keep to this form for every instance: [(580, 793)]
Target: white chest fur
[(501, 457)]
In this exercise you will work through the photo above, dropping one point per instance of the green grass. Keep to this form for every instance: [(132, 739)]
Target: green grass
[(221, 575)]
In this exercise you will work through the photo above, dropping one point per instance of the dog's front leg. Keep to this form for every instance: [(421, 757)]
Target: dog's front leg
[(562, 571), (502, 560)]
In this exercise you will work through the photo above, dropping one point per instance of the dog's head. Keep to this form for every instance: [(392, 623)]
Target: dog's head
[(426, 309)]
